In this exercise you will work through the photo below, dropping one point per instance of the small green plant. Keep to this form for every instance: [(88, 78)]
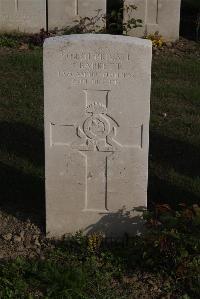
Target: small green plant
[(172, 244), (8, 41), (157, 39), (94, 242), (112, 23), (96, 24), (23, 41), (88, 267), (131, 22)]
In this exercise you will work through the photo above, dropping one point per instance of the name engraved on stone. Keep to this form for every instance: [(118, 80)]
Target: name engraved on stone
[(95, 56), (96, 68), (97, 106)]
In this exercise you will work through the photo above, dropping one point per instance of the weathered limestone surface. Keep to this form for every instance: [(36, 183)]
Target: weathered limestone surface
[(63, 13), (97, 108), (139, 13), (157, 15), (22, 15)]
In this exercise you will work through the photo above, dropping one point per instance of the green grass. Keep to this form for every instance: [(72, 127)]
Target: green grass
[(21, 130), (62, 276), (163, 264), (71, 271), (174, 130)]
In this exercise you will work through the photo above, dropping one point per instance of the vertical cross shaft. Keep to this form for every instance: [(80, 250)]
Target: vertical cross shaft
[(16, 5), (76, 7), (95, 141), (96, 181)]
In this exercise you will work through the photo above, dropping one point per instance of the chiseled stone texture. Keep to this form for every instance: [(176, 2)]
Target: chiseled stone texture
[(97, 108), (22, 15), (63, 13), (157, 15)]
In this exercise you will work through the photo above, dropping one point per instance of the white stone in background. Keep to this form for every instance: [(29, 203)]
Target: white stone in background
[(169, 19), (97, 108), (63, 13), (157, 15), (22, 15), (139, 13)]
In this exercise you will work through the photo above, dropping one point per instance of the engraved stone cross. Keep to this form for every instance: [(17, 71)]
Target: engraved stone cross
[(96, 133)]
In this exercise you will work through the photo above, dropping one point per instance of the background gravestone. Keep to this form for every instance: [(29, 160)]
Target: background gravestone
[(139, 13), (63, 13), (157, 15), (22, 15), (97, 107)]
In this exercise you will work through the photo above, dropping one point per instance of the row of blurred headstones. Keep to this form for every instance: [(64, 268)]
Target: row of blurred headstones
[(31, 16)]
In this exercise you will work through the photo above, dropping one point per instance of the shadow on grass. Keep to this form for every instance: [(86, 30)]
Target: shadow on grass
[(22, 195), (22, 140), (189, 19), (119, 223), (22, 192), (184, 158), (161, 191)]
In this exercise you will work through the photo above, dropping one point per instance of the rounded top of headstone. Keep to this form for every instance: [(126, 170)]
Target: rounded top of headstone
[(98, 38)]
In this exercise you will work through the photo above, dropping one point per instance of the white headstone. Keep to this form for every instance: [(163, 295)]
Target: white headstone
[(63, 13), (22, 15), (138, 13), (161, 16), (97, 108)]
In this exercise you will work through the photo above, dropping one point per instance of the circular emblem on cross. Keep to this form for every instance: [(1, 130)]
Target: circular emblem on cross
[(97, 126)]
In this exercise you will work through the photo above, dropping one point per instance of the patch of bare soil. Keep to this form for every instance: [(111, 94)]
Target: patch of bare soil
[(180, 48), (20, 238)]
